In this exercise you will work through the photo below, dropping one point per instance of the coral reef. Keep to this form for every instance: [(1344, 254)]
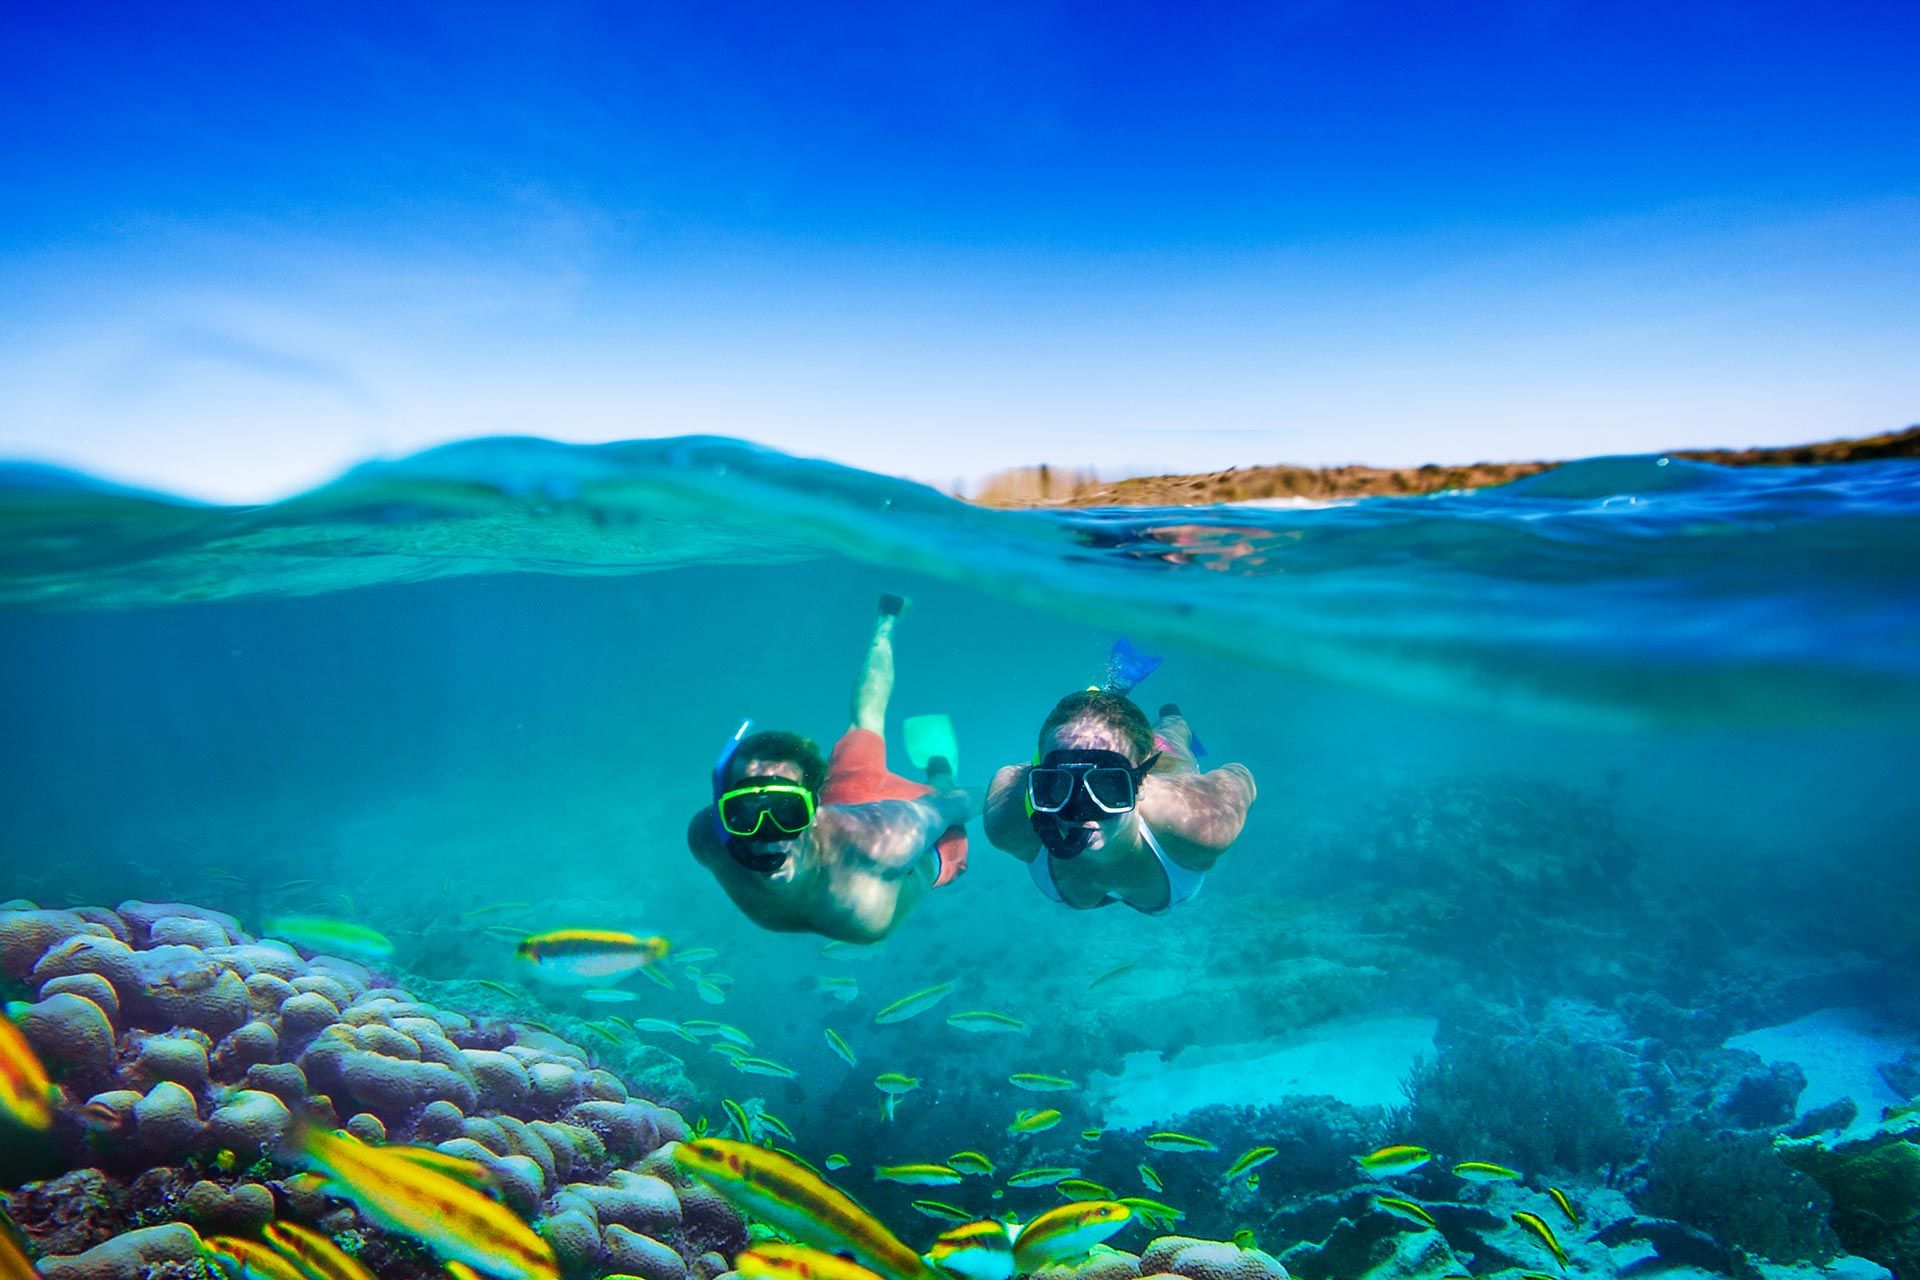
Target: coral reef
[(193, 1049), (1874, 1184), (1735, 1186), (1535, 1102)]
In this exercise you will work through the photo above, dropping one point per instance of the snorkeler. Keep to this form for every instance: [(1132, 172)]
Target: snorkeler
[(840, 847), (1115, 809)]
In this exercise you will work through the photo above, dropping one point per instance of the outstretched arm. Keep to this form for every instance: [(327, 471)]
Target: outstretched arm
[(894, 835), (1007, 823), (1198, 815)]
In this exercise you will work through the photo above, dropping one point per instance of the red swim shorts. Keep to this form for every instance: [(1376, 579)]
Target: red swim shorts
[(857, 774)]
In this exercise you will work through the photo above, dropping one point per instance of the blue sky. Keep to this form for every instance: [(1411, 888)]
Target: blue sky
[(244, 246)]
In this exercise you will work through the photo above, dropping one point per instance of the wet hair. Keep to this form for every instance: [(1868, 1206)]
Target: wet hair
[(776, 744), (1127, 722)]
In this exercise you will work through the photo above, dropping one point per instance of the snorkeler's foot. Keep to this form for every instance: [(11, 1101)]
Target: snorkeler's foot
[(1169, 709), (892, 605), (940, 772)]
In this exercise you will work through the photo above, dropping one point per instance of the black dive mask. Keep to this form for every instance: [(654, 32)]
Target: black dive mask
[(1070, 788)]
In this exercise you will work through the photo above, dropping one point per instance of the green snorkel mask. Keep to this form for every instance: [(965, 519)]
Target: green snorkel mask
[(758, 810)]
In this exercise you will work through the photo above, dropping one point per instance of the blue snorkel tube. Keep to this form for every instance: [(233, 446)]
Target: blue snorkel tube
[(763, 863), (727, 753)]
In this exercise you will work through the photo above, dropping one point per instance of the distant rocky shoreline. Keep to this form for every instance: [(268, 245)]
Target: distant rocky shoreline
[(1054, 487)]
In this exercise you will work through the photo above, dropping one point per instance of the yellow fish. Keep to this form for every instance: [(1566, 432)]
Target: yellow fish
[(25, 1091), (917, 1175), (772, 1261), (1388, 1161), (1566, 1205), (1067, 1232), (1034, 1121), (841, 1048), (1482, 1171), (1173, 1140), (1534, 1223), (1082, 1189), (976, 1251), (248, 1259), (459, 1168), (453, 1219), (589, 956), (942, 1210), (1250, 1161), (316, 1255), (1035, 1082), (798, 1203), (971, 1162), (985, 1021), (917, 1003)]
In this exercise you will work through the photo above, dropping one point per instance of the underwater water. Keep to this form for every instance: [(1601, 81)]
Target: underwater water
[(1585, 841)]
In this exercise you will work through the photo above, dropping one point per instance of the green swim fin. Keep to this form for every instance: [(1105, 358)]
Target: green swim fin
[(930, 736)]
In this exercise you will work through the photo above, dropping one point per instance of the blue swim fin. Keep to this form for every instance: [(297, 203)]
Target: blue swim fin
[(1127, 666)]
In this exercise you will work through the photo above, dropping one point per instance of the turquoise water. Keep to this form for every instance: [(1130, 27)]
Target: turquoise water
[(1618, 755)]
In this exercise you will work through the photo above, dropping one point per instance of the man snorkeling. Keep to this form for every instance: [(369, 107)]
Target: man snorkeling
[(839, 847), (1115, 809)]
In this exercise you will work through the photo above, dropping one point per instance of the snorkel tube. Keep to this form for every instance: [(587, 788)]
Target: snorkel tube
[(766, 861)]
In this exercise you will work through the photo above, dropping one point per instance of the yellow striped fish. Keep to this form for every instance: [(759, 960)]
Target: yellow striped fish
[(800, 1204), (451, 1218), (25, 1092), (912, 1005), (589, 956), (1388, 1161), (1065, 1233), (841, 1048), (1483, 1171), (942, 1210), (1250, 1161), (1534, 1223), (248, 1259), (1566, 1205), (1038, 1082), (1082, 1189), (917, 1175), (318, 1257), (1173, 1140), (976, 1251), (1034, 1121), (773, 1261), (459, 1168)]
